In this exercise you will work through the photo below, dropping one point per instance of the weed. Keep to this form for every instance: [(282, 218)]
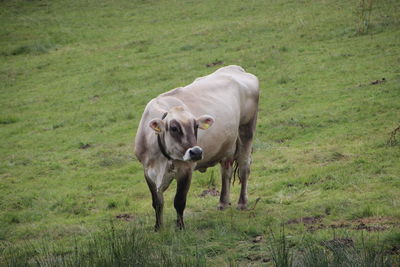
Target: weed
[(364, 11), (363, 213), (112, 204), (211, 181), (280, 249), (283, 49), (283, 80), (392, 141)]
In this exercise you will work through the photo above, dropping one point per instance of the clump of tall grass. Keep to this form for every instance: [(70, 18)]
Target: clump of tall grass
[(279, 249), (364, 11), (332, 253), (340, 252), (123, 247)]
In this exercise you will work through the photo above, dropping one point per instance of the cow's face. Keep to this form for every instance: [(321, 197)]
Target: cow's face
[(178, 131)]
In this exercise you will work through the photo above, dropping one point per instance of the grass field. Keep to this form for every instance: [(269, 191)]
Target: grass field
[(75, 77)]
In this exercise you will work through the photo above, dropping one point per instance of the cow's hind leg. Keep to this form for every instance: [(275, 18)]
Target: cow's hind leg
[(246, 133), (183, 184), (158, 203), (226, 175)]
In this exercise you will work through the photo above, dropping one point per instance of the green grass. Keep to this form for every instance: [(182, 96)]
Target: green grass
[(76, 76)]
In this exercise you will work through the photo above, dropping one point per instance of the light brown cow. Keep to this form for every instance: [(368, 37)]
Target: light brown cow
[(223, 105)]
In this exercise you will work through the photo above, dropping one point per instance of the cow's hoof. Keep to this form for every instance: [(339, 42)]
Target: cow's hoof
[(222, 206), (180, 225), (242, 206)]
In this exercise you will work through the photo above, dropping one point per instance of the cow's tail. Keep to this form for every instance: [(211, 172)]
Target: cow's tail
[(236, 172)]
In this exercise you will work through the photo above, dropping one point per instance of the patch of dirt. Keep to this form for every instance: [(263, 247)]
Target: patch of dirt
[(257, 258), (309, 183), (313, 228), (337, 156), (340, 225), (84, 146), (378, 81), (370, 228), (374, 224), (280, 141), (338, 242), (125, 217), (215, 63), (306, 220), (253, 257), (313, 223), (210, 192), (258, 239), (371, 224), (375, 220)]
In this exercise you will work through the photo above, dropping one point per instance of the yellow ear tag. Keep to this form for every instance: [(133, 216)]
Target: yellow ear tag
[(157, 129), (206, 126)]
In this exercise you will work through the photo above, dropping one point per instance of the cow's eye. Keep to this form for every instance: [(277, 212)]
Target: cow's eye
[(174, 129)]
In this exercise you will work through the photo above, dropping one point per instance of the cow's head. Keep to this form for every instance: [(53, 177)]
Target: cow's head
[(177, 130)]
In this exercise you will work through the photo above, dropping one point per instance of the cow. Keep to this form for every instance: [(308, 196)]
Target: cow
[(210, 121)]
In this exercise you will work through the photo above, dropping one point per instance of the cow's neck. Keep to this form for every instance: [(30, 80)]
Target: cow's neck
[(162, 148)]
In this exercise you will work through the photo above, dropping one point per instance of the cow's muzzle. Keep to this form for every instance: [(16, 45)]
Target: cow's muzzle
[(195, 153)]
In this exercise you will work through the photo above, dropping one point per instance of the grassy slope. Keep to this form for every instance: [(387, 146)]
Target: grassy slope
[(75, 73)]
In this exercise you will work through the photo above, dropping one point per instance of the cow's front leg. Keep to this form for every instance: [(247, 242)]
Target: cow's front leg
[(226, 175), (183, 185), (158, 203)]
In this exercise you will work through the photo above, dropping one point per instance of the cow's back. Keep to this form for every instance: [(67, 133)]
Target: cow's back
[(228, 91)]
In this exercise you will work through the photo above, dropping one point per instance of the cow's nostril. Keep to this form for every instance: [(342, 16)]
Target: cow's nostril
[(195, 153)]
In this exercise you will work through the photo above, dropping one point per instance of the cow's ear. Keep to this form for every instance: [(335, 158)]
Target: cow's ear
[(157, 125), (205, 122)]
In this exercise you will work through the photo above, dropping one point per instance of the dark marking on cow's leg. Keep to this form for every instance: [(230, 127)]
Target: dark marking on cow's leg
[(183, 185), (244, 172), (158, 203), (246, 133), (226, 175)]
